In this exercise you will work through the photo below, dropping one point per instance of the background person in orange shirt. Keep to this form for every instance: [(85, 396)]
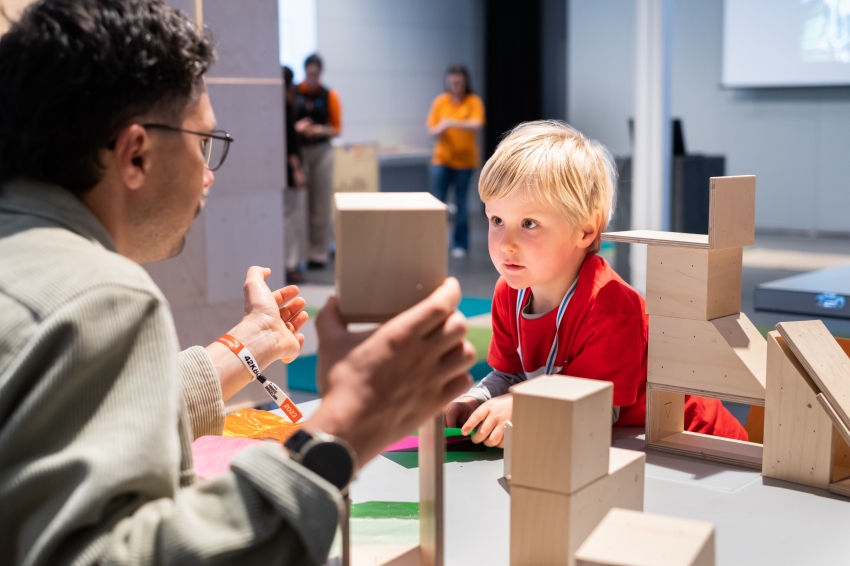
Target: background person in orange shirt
[(319, 116), (454, 119)]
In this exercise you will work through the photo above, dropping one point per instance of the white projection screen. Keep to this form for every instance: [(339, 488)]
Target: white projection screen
[(776, 43)]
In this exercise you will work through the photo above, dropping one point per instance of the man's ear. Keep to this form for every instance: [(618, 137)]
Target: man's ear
[(132, 155), (590, 234)]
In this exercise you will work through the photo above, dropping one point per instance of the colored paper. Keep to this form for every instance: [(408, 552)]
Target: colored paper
[(212, 454)]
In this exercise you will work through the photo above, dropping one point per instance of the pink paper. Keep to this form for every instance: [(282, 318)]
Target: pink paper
[(212, 454), (411, 443)]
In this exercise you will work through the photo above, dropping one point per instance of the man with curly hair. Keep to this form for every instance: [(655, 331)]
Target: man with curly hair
[(108, 144)]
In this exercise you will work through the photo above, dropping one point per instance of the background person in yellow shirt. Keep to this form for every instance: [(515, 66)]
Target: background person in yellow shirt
[(454, 119)]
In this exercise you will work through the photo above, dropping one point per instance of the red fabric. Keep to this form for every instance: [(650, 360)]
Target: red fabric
[(603, 336)]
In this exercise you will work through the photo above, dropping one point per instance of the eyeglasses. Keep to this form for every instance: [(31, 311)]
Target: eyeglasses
[(214, 145)]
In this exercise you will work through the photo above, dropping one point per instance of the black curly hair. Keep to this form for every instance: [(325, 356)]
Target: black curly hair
[(74, 72)]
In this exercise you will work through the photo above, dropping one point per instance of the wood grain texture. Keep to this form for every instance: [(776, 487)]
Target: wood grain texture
[(509, 431), (665, 412), (825, 361), (840, 427), (725, 355), (693, 283), (432, 452), (798, 443), (630, 538), (548, 527), (714, 448), (840, 488), (561, 432), (659, 238), (391, 252)]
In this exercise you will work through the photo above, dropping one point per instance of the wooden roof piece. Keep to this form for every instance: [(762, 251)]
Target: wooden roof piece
[(825, 361), (731, 220)]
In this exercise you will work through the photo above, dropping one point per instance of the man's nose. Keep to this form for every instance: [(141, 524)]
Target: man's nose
[(209, 179)]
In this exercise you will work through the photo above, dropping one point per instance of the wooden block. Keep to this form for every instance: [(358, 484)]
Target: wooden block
[(840, 427), (387, 555), (395, 238), (695, 284), (432, 454), (356, 168), (509, 428), (665, 412), (825, 361), (732, 212), (724, 357), (798, 444), (631, 538), (657, 237), (548, 527), (561, 432), (714, 448)]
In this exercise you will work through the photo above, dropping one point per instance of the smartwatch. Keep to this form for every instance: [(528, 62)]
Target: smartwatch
[(330, 457)]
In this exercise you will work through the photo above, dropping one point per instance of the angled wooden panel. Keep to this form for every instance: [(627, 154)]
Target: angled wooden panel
[(724, 356), (798, 443), (630, 538), (548, 527), (692, 283), (825, 361), (732, 212), (561, 432), (657, 237)]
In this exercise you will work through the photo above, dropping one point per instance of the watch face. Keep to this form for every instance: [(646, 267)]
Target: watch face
[(331, 461)]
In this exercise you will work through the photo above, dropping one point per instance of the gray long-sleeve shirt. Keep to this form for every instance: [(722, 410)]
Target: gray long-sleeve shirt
[(98, 410)]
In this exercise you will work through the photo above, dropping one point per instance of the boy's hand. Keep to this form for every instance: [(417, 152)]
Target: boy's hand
[(460, 410), (492, 416)]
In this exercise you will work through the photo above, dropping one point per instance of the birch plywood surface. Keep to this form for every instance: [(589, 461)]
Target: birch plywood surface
[(724, 356), (732, 212), (657, 237), (825, 361)]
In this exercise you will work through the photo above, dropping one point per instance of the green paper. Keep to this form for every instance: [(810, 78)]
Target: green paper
[(385, 510)]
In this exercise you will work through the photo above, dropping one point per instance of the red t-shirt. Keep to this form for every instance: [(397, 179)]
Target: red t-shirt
[(603, 335)]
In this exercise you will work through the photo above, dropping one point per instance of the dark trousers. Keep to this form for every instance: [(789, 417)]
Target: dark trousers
[(441, 178)]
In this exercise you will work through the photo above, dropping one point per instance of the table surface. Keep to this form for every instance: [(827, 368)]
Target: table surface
[(758, 520)]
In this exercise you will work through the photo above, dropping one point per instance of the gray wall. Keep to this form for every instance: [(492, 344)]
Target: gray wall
[(796, 141), (386, 58)]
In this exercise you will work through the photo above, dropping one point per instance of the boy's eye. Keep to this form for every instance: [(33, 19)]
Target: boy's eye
[(529, 223), (496, 221)]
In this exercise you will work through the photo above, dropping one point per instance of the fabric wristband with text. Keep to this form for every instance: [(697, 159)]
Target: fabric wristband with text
[(276, 393)]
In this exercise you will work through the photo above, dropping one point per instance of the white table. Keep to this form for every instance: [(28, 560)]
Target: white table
[(758, 520)]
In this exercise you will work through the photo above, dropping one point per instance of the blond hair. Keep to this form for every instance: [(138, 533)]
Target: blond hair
[(556, 164)]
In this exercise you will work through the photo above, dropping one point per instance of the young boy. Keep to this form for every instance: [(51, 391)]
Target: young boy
[(559, 308)]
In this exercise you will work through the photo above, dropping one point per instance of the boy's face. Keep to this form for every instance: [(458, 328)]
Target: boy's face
[(532, 243)]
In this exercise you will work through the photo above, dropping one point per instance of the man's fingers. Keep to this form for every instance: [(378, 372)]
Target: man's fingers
[(458, 360), (299, 320), (456, 387), (292, 308), (449, 335), (430, 313), (284, 295)]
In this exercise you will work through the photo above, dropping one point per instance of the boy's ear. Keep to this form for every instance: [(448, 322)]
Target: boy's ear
[(590, 235)]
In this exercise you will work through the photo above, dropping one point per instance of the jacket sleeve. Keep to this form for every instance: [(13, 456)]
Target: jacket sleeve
[(90, 453), (202, 390)]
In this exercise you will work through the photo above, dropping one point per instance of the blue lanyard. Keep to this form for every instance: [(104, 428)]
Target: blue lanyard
[(550, 362)]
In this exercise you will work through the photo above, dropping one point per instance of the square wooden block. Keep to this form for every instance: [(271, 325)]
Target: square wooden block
[(391, 252), (561, 432), (694, 284), (547, 528), (630, 538)]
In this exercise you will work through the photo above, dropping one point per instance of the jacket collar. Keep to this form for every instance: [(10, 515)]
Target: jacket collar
[(55, 204)]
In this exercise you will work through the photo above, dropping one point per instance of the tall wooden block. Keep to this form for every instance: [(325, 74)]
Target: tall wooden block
[(630, 538), (692, 283), (732, 212), (547, 528), (391, 252), (561, 432), (724, 357)]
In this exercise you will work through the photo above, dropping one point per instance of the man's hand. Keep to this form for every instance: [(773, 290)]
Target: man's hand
[(269, 329), (379, 386), (490, 419), (460, 410)]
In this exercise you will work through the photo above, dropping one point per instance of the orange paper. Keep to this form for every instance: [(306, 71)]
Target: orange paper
[(259, 425)]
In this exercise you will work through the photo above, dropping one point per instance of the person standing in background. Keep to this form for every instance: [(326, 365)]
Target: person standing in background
[(295, 194), (454, 120), (319, 115)]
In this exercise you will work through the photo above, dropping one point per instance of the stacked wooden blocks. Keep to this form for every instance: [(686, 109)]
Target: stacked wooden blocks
[(564, 474), (807, 410), (700, 343), (630, 538)]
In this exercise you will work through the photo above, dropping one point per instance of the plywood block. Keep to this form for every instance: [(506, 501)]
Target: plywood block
[(732, 212), (386, 555), (798, 443), (695, 284), (714, 448), (432, 452), (825, 361), (547, 527), (839, 425), (561, 432), (665, 414), (657, 237), (840, 488), (725, 356), (631, 538), (356, 168), (391, 252), (509, 429)]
